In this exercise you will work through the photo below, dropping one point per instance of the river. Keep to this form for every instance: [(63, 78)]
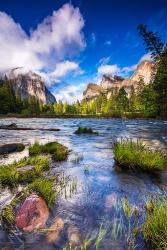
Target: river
[(100, 185)]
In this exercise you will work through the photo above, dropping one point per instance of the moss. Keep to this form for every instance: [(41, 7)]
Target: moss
[(44, 188), (58, 151), (155, 226), (85, 130), (135, 155), (10, 175)]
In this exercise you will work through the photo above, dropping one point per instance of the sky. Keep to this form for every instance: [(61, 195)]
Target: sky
[(72, 43)]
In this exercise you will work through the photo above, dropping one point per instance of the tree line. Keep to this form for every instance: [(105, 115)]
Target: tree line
[(11, 102)]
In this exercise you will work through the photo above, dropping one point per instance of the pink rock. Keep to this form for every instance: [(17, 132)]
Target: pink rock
[(32, 214)]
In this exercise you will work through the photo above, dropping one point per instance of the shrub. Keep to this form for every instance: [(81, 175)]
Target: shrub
[(59, 152), (134, 154), (44, 188), (85, 130)]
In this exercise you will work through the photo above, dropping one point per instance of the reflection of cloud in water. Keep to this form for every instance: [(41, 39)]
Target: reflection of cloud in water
[(110, 200), (103, 178)]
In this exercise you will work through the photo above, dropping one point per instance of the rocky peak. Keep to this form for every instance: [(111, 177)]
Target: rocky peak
[(144, 71), (109, 83), (29, 84), (92, 91)]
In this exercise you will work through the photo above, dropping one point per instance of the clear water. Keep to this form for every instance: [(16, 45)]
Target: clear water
[(100, 185)]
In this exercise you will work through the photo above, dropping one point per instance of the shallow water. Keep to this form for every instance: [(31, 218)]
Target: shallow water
[(100, 185)]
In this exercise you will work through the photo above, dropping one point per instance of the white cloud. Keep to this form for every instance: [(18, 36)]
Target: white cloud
[(104, 60), (64, 68), (128, 69), (70, 93), (108, 69), (53, 40)]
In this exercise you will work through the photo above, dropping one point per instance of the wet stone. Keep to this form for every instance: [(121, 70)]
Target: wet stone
[(74, 235), (55, 229), (11, 148), (32, 214), (25, 169)]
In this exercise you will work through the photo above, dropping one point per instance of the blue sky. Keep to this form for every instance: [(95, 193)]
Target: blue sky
[(73, 43)]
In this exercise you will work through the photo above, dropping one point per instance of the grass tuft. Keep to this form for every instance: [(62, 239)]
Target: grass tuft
[(58, 151), (85, 130), (44, 188), (11, 175), (134, 154), (155, 226)]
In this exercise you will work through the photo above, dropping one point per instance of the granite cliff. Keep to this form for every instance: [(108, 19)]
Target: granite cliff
[(29, 84), (109, 83)]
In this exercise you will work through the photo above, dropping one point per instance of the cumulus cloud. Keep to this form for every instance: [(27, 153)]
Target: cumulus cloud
[(70, 93), (108, 69), (55, 38), (64, 68)]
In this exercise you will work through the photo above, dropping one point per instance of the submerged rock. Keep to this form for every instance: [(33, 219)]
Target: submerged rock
[(55, 229), (13, 126), (11, 148), (74, 235), (32, 214)]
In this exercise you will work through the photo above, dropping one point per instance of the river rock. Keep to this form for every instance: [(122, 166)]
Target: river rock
[(11, 148), (25, 169), (13, 126), (32, 214), (74, 235), (55, 229)]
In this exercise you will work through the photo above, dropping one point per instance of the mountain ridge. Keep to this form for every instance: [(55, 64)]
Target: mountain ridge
[(109, 83)]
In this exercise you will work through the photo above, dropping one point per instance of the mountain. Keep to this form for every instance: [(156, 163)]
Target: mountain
[(92, 91), (109, 83), (29, 84)]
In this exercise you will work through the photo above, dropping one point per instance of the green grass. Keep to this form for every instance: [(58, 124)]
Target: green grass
[(134, 154), (155, 226), (11, 176), (7, 214), (58, 151), (85, 130), (44, 188)]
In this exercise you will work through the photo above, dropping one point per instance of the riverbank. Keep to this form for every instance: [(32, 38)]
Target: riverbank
[(78, 116)]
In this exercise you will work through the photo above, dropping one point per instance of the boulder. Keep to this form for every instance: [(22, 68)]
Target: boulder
[(32, 214), (11, 148)]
